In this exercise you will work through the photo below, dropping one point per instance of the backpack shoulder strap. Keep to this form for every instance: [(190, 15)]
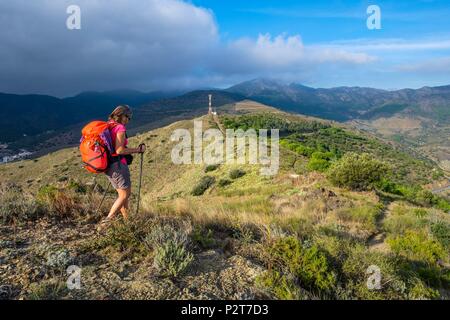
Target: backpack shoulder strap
[(112, 124)]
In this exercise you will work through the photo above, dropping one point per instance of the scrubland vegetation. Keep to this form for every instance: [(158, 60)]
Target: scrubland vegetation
[(341, 203)]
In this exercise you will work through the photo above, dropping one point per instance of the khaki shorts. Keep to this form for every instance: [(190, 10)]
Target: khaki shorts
[(119, 175)]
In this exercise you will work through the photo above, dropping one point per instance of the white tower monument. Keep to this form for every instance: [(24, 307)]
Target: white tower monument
[(210, 111)]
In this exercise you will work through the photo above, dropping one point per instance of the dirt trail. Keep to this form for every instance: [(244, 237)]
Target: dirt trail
[(377, 242), (219, 124)]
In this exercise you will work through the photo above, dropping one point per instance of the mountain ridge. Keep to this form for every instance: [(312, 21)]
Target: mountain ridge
[(39, 117)]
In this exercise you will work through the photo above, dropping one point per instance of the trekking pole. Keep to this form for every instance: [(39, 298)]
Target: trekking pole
[(103, 199), (140, 180)]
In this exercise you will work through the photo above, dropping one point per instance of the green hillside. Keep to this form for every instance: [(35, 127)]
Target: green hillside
[(342, 201)]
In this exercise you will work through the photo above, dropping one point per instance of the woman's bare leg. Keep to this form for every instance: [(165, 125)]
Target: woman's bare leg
[(125, 207), (119, 203)]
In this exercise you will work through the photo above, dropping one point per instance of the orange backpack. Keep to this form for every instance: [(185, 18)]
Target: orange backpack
[(96, 146)]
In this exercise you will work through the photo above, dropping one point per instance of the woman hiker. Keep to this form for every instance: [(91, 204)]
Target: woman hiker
[(118, 173)]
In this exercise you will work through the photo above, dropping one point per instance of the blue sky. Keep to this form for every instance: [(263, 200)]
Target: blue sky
[(413, 22), (322, 21), (175, 44)]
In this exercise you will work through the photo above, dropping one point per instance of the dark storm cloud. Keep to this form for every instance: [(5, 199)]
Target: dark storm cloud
[(139, 44), (121, 44)]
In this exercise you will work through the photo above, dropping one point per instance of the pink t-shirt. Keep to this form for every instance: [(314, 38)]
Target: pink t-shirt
[(118, 128)]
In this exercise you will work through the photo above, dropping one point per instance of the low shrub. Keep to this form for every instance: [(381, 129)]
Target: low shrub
[(172, 258), (224, 182), (320, 161), (441, 232), (15, 205), (308, 265), (237, 173), (126, 236), (415, 194), (170, 231), (62, 205), (404, 218), (46, 193), (204, 238), (203, 185), (281, 286), (170, 244), (417, 247), (398, 279), (48, 290), (58, 259), (211, 167)]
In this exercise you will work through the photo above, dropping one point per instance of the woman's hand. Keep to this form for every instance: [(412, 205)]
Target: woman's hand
[(142, 148), (122, 150)]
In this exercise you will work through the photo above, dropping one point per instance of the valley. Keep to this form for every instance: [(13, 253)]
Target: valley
[(416, 119)]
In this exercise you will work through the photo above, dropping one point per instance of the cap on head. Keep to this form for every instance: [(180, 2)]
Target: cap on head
[(119, 111)]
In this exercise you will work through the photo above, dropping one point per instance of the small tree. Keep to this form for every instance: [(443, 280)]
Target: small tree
[(357, 171)]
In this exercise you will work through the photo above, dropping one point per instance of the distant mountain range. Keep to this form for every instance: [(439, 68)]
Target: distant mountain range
[(29, 119), (346, 103), (28, 115)]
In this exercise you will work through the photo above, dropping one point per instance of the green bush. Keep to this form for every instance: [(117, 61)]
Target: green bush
[(281, 286), (128, 236), (399, 279), (172, 259), (224, 182), (414, 194), (46, 193), (320, 161), (357, 172), (417, 247), (437, 175), (161, 234), (171, 256), (441, 232), (237, 173), (309, 265), (204, 238), (388, 186), (211, 167), (297, 147), (169, 243), (425, 197), (203, 185), (442, 204), (404, 218)]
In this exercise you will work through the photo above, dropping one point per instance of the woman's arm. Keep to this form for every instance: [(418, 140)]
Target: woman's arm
[(120, 146)]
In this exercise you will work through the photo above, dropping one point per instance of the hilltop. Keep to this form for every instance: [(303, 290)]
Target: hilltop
[(311, 231)]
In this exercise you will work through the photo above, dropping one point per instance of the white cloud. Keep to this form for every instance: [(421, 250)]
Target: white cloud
[(146, 45), (392, 44), (283, 54), (434, 66)]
